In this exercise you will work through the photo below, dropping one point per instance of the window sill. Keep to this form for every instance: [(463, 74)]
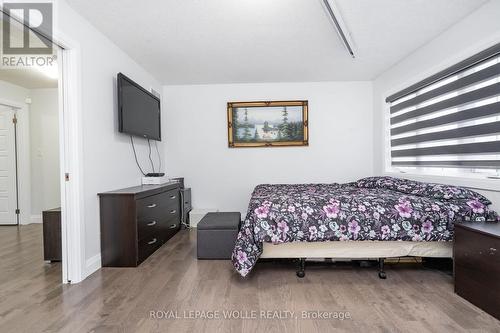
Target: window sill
[(469, 182)]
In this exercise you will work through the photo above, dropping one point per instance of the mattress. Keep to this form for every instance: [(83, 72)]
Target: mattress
[(373, 217)]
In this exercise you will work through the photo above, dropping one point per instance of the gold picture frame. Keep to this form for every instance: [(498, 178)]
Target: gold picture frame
[(267, 124)]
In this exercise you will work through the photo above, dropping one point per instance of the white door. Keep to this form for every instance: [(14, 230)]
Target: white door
[(8, 201)]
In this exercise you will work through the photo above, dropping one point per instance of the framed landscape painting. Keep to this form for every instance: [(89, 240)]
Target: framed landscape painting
[(267, 124)]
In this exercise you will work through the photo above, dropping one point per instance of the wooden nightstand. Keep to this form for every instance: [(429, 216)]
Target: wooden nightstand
[(476, 253)]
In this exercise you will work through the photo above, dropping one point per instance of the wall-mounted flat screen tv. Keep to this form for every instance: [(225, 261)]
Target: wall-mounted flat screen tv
[(138, 110)]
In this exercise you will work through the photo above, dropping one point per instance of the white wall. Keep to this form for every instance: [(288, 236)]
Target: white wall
[(108, 162), (195, 127), (13, 93), (474, 33), (44, 146)]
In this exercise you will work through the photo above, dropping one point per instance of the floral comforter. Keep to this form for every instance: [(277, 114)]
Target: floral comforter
[(375, 208)]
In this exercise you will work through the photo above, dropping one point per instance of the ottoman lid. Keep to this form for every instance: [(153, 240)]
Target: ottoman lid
[(220, 221)]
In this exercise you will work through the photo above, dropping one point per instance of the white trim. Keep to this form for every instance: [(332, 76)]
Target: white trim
[(197, 214), (73, 229), (36, 219), (11, 104), (92, 264), (472, 183), (24, 163), (71, 148)]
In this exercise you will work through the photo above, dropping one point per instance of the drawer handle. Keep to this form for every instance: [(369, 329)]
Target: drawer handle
[(492, 250), (151, 224), (173, 211), (152, 206), (173, 226), (173, 197), (152, 241)]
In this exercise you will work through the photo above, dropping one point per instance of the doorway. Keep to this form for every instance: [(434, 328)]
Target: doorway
[(68, 146), (69, 54), (30, 177)]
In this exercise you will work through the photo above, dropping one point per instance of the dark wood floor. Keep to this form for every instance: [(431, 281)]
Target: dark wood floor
[(32, 299)]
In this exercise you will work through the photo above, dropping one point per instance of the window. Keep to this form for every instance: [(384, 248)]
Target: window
[(449, 123)]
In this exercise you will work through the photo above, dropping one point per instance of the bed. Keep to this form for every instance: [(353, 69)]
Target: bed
[(373, 218)]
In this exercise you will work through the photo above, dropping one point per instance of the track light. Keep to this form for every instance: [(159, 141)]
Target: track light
[(339, 25)]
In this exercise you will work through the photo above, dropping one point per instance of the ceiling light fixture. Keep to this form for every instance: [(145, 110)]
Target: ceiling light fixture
[(339, 25)]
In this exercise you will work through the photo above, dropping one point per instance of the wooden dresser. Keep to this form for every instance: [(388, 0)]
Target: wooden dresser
[(52, 235), (476, 255), (136, 221)]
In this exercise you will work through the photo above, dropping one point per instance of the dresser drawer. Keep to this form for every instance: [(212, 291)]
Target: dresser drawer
[(476, 251), (171, 228), (148, 229), (158, 207), (149, 245), (477, 269)]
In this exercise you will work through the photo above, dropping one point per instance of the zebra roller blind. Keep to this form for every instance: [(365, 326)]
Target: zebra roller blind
[(450, 120)]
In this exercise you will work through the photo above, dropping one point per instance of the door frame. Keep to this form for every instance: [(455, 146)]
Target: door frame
[(74, 268), (70, 149), (71, 162)]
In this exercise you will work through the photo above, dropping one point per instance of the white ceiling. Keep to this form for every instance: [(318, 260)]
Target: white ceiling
[(27, 78), (227, 41)]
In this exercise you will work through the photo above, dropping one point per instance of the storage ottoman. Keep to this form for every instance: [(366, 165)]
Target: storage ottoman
[(217, 234)]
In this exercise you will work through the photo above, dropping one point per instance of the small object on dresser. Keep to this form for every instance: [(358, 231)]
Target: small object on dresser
[(149, 180), (476, 253), (52, 250), (216, 235), (155, 174)]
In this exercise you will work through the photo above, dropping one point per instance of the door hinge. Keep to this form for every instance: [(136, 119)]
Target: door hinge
[(66, 176), (18, 211), (14, 120)]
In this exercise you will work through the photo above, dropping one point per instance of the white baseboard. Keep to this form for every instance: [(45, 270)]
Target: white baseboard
[(35, 219), (196, 214), (92, 264)]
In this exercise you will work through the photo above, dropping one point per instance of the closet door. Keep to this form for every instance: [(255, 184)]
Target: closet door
[(8, 191)]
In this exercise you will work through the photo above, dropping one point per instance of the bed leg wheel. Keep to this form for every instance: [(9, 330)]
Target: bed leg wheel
[(301, 269), (381, 272)]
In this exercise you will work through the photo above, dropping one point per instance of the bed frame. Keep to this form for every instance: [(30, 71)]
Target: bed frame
[(379, 250)]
